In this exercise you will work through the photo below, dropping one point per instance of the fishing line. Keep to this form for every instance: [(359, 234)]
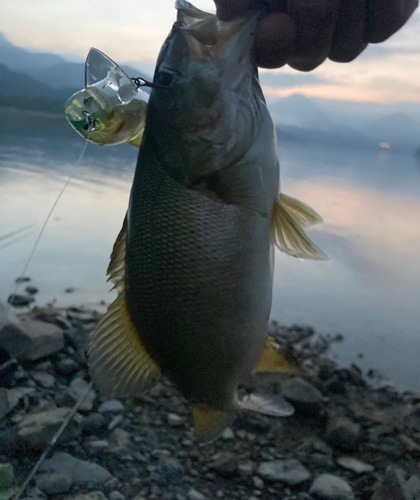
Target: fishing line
[(25, 268)]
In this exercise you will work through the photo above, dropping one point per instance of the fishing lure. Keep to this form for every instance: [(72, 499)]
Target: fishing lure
[(111, 109)]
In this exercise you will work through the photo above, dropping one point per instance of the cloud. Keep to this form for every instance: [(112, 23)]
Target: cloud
[(287, 80)]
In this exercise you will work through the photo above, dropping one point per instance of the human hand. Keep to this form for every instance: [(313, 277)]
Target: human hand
[(303, 33)]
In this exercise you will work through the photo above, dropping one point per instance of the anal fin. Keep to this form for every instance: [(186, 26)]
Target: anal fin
[(209, 424), (266, 404), (288, 235), (272, 360), (118, 361)]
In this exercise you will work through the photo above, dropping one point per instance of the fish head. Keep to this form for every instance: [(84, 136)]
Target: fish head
[(204, 113)]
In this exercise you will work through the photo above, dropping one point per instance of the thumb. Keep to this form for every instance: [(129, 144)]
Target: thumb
[(229, 9)]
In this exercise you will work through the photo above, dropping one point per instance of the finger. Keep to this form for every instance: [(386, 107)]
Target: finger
[(348, 41), (229, 9), (275, 40), (385, 17), (315, 21)]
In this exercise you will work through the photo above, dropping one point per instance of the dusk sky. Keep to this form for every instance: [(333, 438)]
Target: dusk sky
[(132, 32)]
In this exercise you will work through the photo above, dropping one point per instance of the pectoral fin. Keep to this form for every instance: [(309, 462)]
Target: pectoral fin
[(289, 236), (209, 424), (305, 215), (272, 360), (267, 404), (118, 361)]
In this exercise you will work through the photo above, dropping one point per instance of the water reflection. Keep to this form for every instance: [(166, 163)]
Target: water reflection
[(368, 290)]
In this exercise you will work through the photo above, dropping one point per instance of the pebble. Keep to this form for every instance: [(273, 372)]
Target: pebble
[(84, 473), (289, 471), (304, 397), (258, 482), (111, 406), (44, 380), (354, 465), (329, 487), (77, 389), (228, 434), (343, 434), (195, 495), (116, 495), (67, 367), (175, 420), (56, 483)]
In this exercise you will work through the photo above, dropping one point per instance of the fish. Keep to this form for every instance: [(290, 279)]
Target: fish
[(193, 263)]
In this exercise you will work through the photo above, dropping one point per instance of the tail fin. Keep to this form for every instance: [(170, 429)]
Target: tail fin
[(305, 215)]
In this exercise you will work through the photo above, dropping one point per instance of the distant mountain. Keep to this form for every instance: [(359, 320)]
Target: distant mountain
[(19, 59), (398, 129), (297, 110)]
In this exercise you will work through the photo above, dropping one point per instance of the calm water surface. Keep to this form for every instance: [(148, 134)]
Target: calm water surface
[(369, 290)]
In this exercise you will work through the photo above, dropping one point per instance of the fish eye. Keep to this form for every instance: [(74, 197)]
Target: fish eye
[(165, 77)]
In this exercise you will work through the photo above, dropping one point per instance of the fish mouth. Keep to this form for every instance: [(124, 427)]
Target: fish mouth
[(206, 35)]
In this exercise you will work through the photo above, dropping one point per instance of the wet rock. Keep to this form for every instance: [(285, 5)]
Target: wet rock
[(344, 434), (289, 471), (95, 424), (93, 495), (225, 464), (4, 402), (84, 473), (77, 389), (329, 487), (175, 420), (96, 447), (195, 495), (44, 380), (354, 465), (119, 440), (77, 315), (8, 369), (116, 495), (228, 434), (411, 446), (111, 406), (23, 279), (19, 300), (305, 398), (66, 367), (37, 429), (169, 470), (31, 290), (16, 395), (397, 486), (55, 484), (32, 339)]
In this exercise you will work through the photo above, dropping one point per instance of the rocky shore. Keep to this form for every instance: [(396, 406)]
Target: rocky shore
[(351, 437)]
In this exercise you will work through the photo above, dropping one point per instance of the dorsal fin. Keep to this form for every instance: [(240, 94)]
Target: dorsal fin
[(118, 361)]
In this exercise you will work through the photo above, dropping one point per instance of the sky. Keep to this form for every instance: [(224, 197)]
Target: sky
[(132, 32)]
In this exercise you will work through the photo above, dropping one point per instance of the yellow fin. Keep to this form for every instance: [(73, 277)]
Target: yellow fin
[(305, 215), (118, 362), (116, 268), (289, 236), (271, 360), (209, 424)]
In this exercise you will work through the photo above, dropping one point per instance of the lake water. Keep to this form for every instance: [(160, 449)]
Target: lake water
[(369, 290)]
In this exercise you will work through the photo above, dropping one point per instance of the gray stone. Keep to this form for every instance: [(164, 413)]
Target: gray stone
[(77, 388), (95, 424), (67, 367), (225, 463), (354, 465), (4, 402), (15, 395), (246, 469), (395, 486), (119, 440), (175, 420), (116, 495), (258, 482), (84, 473), (93, 495), (344, 434), (32, 339), (7, 317), (305, 398), (195, 495), (111, 406), (37, 429), (96, 447), (329, 487), (44, 380), (228, 434), (55, 484), (290, 471)]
